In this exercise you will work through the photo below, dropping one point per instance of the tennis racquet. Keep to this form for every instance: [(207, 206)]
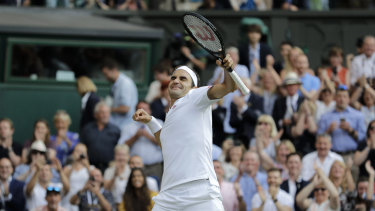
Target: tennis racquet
[(207, 36)]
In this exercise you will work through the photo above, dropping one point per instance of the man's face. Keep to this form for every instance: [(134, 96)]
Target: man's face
[(284, 50), (274, 178), (362, 188), (103, 114), (5, 130), (6, 169), (294, 165), (109, 74), (45, 174), (342, 99), (53, 199), (302, 64), (97, 175), (121, 156), (292, 89), (180, 84), (218, 170), (251, 162), (144, 106), (136, 162), (368, 46), (323, 146), (254, 37)]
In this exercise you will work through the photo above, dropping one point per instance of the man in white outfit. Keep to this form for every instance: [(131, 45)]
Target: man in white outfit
[(189, 182)]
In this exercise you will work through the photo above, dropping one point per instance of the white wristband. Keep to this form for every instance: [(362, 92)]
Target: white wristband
[(154, 125)]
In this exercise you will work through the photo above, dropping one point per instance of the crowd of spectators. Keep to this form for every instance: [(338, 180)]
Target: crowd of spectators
[(303, 139)]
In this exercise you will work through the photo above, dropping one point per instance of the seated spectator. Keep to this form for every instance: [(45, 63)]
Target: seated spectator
[(137, 196), (250, 178), (323, 157), (231, 193), (275, 198), (65, 140), (117, 175), (78, 173), (266, 136), (87, 90), (366, 150), (12, 190), (294, 184), (233, 160), (41, 132), (36, 189), (326, 196), (337, 73), (9, 148), (342, 179), (100, 137), (363, 64), (285, 47), (160, 105), (152, 183), (162, 72), (310, 83), (93, 196), (53, 198)]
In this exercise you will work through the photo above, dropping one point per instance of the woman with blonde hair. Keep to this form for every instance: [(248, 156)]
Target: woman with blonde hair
[(87, 90)]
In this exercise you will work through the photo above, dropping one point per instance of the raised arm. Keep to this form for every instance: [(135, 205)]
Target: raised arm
[(142, 116)]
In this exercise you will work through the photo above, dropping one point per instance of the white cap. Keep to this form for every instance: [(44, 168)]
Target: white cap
[(39, 145)]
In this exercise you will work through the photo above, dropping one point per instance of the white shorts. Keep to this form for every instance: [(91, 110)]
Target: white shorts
[(197, 195)]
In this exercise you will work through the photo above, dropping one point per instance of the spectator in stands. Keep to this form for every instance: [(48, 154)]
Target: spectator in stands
[(160, 105), (304, 128), (132, 5), (87, 90), (323, 157), (341, 177), (365, 187), (368, 107), (36, 189), (231, 193), (100, 137), (366, 150), (363, 64), (143, 143), (254, 50), (324, 102), (9, 148), (12, 194), (233, 159), (53, 198), (285, 47), (291, 62), (285, 107), (214, 5), (193, 55), (137, 196), (293, 5), (326, 196), (218, 119), (250, 177), (310, 83), (41, 132), (153, 183), (64, 141), (78, 173), (117, 175), (161, 74), (337, 73), (294, 184), (93, 196), (124, 102), (274, 198)]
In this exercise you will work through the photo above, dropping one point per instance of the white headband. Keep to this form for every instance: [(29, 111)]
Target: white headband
[(191, 73)]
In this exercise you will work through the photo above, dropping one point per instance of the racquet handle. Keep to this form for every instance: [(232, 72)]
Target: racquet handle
[(238, 81)]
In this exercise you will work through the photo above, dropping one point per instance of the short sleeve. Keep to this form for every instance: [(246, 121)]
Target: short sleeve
[(200, 98)]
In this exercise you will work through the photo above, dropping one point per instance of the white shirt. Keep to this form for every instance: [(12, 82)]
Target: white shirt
[(38, 196), (322, 207), (186, 139), (119, 186), (362, 65), (282, 197), (84, 100), (311, 158), (291, 105), (322, 108), (292, 188)]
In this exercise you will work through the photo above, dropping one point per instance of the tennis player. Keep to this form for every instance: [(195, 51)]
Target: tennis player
[(189, 182)]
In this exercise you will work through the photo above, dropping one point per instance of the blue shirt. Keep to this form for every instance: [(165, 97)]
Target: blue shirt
[(309, 83), (62, 151), (341, 140), (249, 188)]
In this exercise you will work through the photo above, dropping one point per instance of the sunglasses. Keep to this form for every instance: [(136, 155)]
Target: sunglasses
[(342, 87), (262, 123), (34, 152), (53, 189), (319, 189)]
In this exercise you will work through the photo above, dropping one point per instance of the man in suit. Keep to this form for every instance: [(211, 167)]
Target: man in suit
[(254, 50), (294, 184), (11, 189), (285, 107)]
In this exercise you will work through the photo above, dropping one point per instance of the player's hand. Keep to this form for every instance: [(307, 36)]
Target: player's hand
[(142, 116), (227, 62)]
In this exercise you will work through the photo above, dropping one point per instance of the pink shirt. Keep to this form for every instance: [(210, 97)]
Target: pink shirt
[(230, 201), (44, 208)]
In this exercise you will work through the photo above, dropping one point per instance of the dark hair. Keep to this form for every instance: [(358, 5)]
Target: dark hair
[(293, 154), (47, 139), (359, 42), (141, 101), (108, 63), (136, 199), (10, 122), (274, 169), (286, 43), (254, 28), (368, 128), (164, 66), (335, 51), (361, 179)]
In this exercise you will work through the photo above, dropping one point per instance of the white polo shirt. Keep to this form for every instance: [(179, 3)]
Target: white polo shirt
[(186, 139), (38, 195), (282, 197)]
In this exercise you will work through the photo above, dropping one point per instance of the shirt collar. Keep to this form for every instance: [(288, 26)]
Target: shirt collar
[(347, 109), (257, 47)]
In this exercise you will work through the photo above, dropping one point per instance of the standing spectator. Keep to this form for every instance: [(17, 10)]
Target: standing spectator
[(124, 92), (254, 50), (323, 157), (143, 143), (64, 141), (338, 73), (117, 175), (93, 196), (137, 196), (152, 183), (325, 103), (285, 47), (364, 64), (231, 193), (275, 198), (160, 105), (100, 137), (250, 178), (161, 74), (310, 83), (8, 148), (366, 150), (12, 194), (53, 198), (87, 90), (294, 184)]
